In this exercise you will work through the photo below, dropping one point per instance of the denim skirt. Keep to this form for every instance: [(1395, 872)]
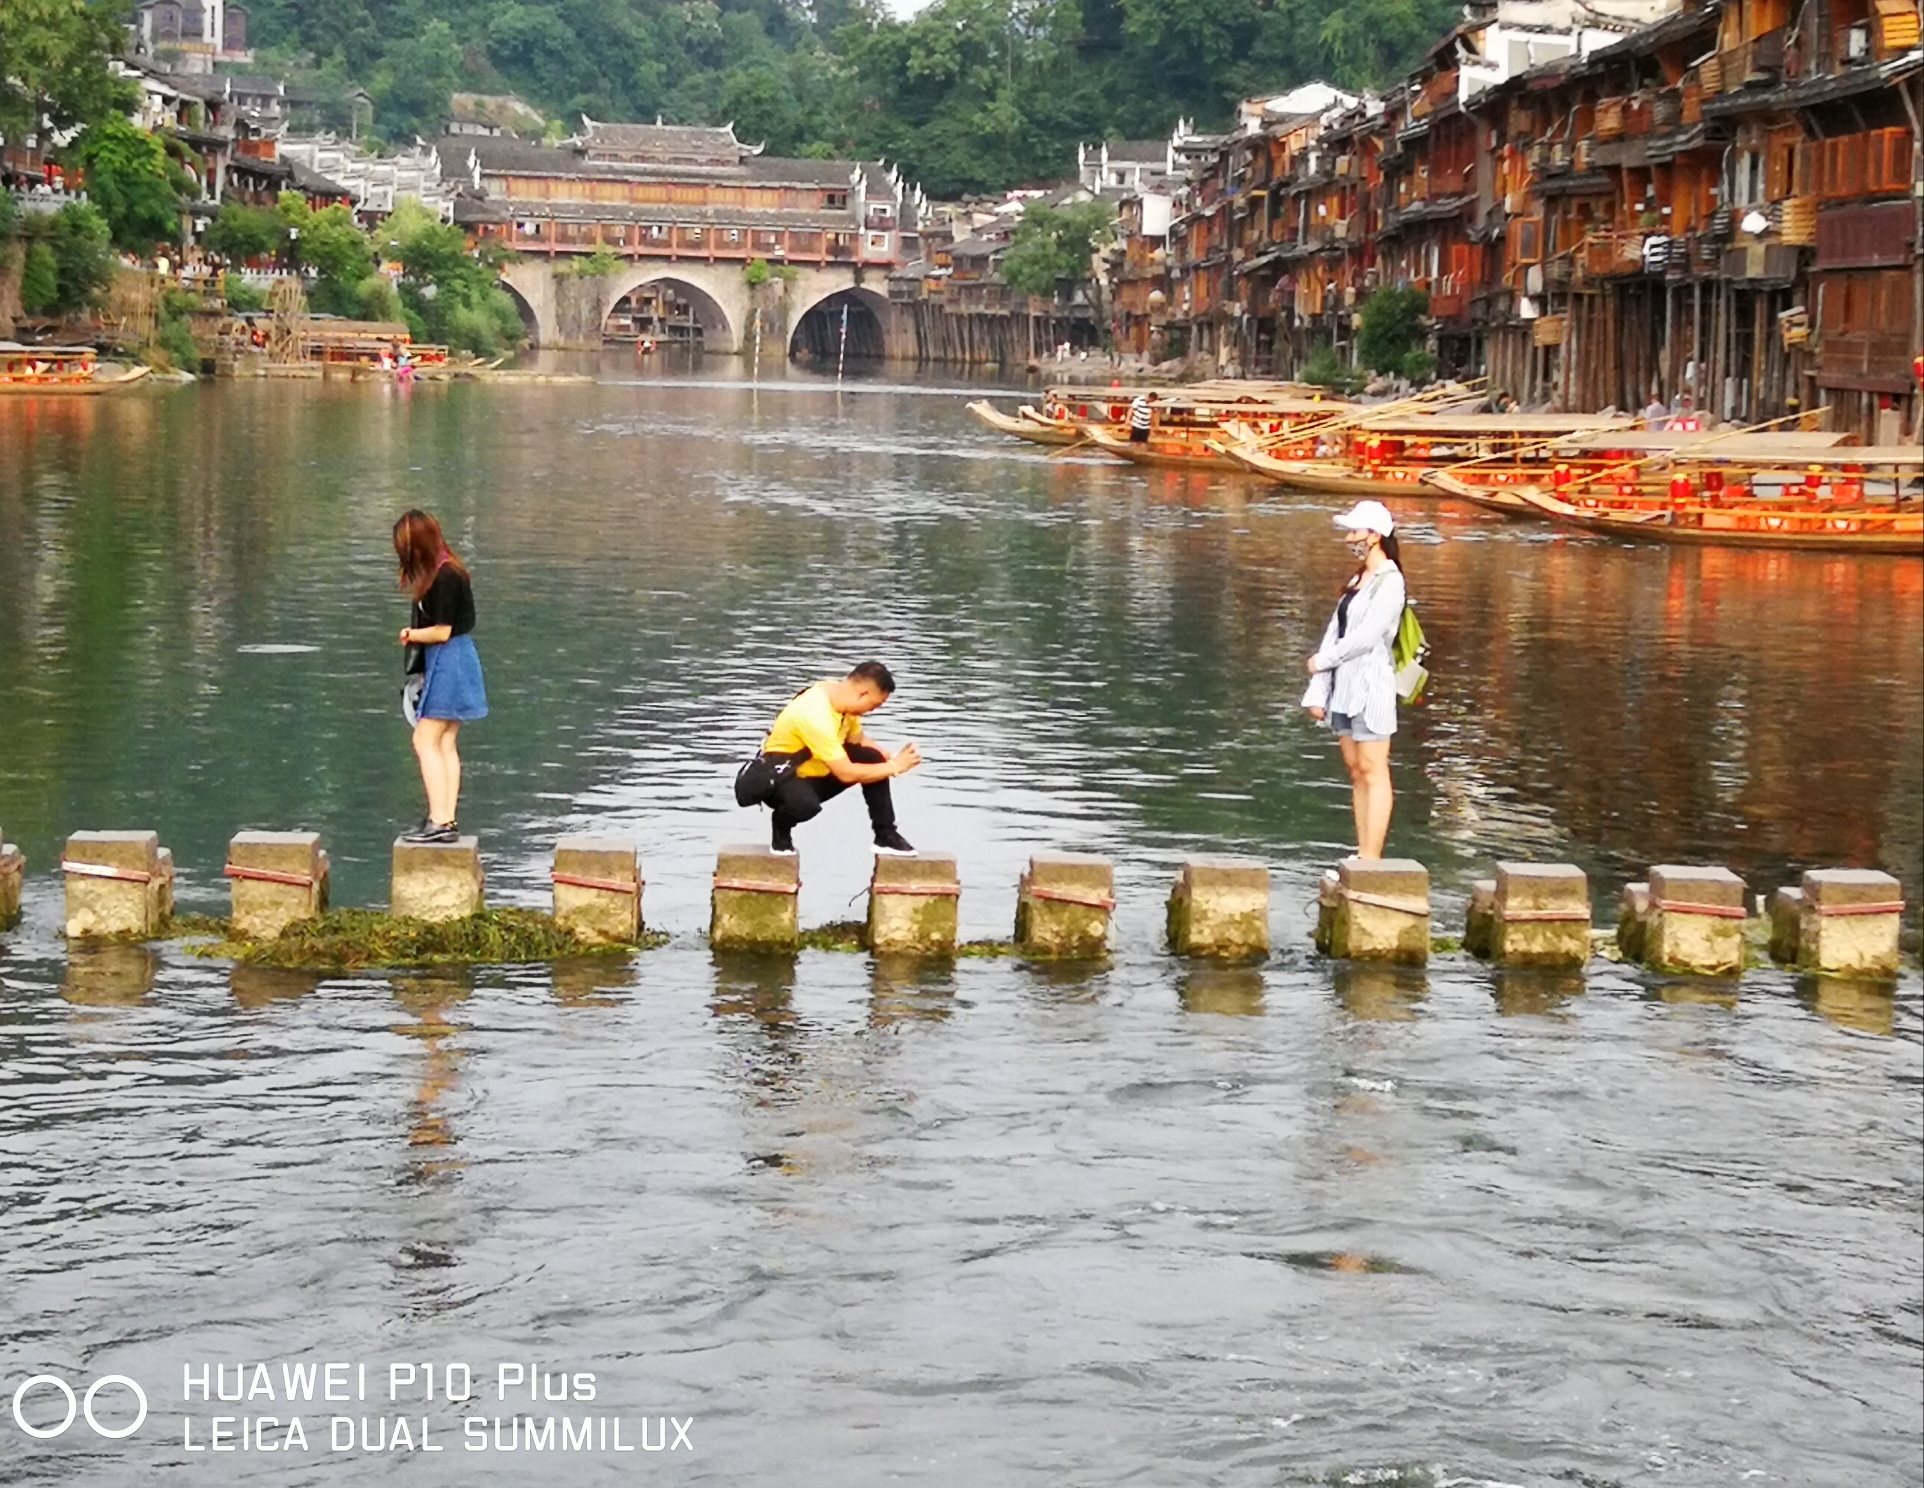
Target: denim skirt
[(453, 689)]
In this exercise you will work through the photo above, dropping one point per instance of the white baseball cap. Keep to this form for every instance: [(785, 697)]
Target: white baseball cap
[(1368, 516)]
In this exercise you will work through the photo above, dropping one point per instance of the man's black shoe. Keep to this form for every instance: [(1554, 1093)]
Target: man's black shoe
[(892, 844), (782, 840)]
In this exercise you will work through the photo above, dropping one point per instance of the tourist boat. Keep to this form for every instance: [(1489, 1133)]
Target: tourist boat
[(1189, 432), (62, 370), (1390, 456), (1633, 468), (1845, 499), (1027, 424)]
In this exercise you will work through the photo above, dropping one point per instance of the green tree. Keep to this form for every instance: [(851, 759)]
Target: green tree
[(412, 87), (241, 233), (1055, 247), (78, 241), (332, 244), (1391, 338), (447, 293), (39, 280), (54, 57), (131, 180)]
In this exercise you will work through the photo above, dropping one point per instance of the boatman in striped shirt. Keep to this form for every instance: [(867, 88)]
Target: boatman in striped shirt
[(1140, 418)]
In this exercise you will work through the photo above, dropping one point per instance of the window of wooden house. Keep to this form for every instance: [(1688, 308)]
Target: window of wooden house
[(1526, 240), (1888, 166)]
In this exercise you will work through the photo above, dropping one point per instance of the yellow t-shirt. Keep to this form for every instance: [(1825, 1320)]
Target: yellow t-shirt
[(808, 722)]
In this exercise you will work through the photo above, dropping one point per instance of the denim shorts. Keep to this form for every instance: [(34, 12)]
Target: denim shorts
[(1343, 723)]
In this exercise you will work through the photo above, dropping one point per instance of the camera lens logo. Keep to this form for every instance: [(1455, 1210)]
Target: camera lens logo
[(81, 1406)]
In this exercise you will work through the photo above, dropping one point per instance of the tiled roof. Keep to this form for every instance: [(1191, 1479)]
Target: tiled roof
[(667, 143)]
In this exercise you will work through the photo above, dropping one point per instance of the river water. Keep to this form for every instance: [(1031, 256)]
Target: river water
[(982, 1223)]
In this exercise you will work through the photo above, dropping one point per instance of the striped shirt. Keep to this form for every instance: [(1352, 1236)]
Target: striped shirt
[(1353, 672), (1139, 414)]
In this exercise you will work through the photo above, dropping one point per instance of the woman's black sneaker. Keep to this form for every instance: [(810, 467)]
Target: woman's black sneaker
[(428, 833), (781, 840), (892, 844)]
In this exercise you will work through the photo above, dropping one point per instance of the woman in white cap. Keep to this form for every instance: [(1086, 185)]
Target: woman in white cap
[(1352, 685)]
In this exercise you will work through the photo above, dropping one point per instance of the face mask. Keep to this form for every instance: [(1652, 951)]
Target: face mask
[(1359, 545)]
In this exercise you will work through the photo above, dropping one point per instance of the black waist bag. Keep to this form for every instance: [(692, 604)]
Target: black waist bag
[(756, 780)]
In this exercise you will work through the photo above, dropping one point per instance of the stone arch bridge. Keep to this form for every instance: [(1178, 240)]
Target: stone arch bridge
[(567, 312)]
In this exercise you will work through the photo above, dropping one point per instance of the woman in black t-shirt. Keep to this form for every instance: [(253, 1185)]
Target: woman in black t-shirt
[(443, 668)]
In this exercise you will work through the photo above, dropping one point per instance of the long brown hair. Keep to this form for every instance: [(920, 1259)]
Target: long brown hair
[(422, 549)]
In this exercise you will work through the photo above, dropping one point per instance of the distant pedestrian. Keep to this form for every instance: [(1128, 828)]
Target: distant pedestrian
[(1352, 682), (1141, 416), (1655, 414), (444, 687)]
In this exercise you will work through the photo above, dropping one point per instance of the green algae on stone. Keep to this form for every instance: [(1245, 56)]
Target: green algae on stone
[(353, 939)]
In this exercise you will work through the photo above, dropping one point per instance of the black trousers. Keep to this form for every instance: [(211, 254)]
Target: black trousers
[(800, 798)]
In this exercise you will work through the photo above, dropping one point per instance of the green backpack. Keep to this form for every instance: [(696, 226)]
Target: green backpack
[(1407, 651)]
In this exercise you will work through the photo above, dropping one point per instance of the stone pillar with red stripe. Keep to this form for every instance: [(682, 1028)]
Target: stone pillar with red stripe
[(1540, 915), (913, 905), (276, 878), (1841, 922), (1695, 921), (1375, 909), (597, 889), (754, 904), (120, 885), (1063, 906)]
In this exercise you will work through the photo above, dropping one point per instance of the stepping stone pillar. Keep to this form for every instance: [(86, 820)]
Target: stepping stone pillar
[(277, 878), (754, 901), (119, 884), (1633, 921), (1220, 907), (1063, 906), (1786, 925), (1540, 915), (913, 904), (1479, 922), (13, 872), (1375, 910), (1848, 925), (597, 889), (1695, 922), (436, 881)]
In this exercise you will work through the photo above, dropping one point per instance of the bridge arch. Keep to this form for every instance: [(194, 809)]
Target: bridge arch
[(530, 317), (717, 295), (817, 322), (719, 330)]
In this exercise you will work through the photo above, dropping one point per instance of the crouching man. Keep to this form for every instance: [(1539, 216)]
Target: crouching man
[(817, 750)]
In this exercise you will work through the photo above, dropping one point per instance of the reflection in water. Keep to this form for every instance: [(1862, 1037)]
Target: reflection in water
[(909, 989), (1523, 991), (587, 981), (429, 999), (1067, 983), (1868, 1007), (749, 984), (256, 987), (1378, 993), (109, 974), (1228, 991), (1704, 991)]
